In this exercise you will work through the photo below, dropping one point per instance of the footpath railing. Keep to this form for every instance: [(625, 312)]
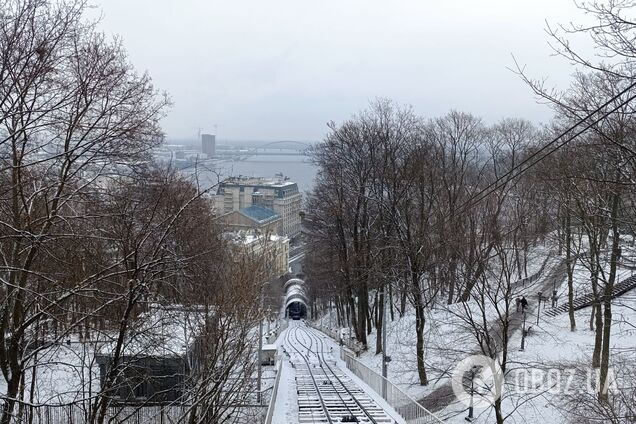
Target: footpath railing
[(272, 401), (406, 406), (282, 326), (534, 277), (350, 343), (273, 334)]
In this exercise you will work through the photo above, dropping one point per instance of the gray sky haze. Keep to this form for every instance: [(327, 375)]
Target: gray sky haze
[(281, 69)]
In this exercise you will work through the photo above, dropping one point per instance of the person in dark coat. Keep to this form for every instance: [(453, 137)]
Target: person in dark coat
[(524, 303)]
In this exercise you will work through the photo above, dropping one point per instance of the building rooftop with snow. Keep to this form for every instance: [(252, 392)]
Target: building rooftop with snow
[(236, 194)]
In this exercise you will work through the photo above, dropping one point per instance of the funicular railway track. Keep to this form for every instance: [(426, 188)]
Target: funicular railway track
[(326, 395)]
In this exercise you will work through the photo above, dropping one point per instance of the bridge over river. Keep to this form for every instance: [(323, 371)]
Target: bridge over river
[(274, 148)]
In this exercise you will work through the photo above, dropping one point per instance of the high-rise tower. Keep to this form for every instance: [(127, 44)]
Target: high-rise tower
[(208, 144)]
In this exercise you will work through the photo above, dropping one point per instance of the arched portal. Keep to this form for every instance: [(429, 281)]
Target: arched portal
[(295, 300), (293, 282)]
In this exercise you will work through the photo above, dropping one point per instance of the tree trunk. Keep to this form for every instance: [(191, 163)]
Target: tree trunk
[(598, 317), (498, 414), (352, 310), (391, 302), (13, 386), (403, 303), (517, 257), (607, 303), (570, 268), (378, 323), (370, 320), (105, 396), (451, 289), (420, 322), (363, 306), (419, 329), (598, 338)]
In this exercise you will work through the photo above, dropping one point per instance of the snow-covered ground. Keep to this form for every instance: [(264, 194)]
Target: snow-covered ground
[(67, 373), (549, 347), (446, 339)]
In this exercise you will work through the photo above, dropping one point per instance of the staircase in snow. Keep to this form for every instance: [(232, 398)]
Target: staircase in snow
[(587, 299)]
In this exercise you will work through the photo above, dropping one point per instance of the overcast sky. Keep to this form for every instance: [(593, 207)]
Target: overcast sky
[(281, 69)]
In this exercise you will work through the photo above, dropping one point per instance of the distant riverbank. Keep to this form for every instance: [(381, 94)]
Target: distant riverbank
[(297, 168)]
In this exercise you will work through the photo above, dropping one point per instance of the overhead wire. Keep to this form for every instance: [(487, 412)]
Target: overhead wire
[(530, 161)]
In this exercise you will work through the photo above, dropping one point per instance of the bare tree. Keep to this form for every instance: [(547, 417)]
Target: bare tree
[(72, 109)]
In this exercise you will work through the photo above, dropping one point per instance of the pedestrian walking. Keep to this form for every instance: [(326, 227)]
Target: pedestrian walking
[(518, 302), (524, 303)]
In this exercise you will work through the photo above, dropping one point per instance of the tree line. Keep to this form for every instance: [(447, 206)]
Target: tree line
[(444, 211), (94, 238)]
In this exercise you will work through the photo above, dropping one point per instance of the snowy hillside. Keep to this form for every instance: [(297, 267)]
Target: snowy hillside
[(551, 380)]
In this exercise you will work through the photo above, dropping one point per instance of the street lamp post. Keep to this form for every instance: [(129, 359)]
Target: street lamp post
[(385, 357), (472, 394), (523, 333), (539, 308)]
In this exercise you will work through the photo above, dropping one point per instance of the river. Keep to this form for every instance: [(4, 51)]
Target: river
[(297, 168)]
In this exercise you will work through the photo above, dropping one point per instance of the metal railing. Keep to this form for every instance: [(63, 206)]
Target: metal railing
[(158, 414), (272, 401), (282, 326), (274, 333), (404, 405), (78, 413), (534, 277), (350, 343)]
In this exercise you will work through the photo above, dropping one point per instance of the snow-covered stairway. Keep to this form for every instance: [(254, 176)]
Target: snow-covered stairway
[(587, 299)]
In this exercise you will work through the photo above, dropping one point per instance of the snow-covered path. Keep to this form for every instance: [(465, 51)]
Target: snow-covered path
[(443, 396)]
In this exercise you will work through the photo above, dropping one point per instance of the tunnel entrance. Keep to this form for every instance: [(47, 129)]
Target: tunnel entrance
[(295, 299), (296, 310)]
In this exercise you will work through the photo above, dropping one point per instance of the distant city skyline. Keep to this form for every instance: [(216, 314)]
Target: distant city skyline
[(283, 69)]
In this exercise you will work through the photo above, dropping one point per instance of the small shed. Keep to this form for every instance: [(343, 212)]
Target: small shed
[(156, 359), (268, 354)]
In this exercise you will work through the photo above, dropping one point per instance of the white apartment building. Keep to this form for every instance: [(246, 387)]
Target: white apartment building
[(281, 196)]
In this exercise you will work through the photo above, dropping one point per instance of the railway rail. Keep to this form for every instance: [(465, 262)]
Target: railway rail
[(325, 393)]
